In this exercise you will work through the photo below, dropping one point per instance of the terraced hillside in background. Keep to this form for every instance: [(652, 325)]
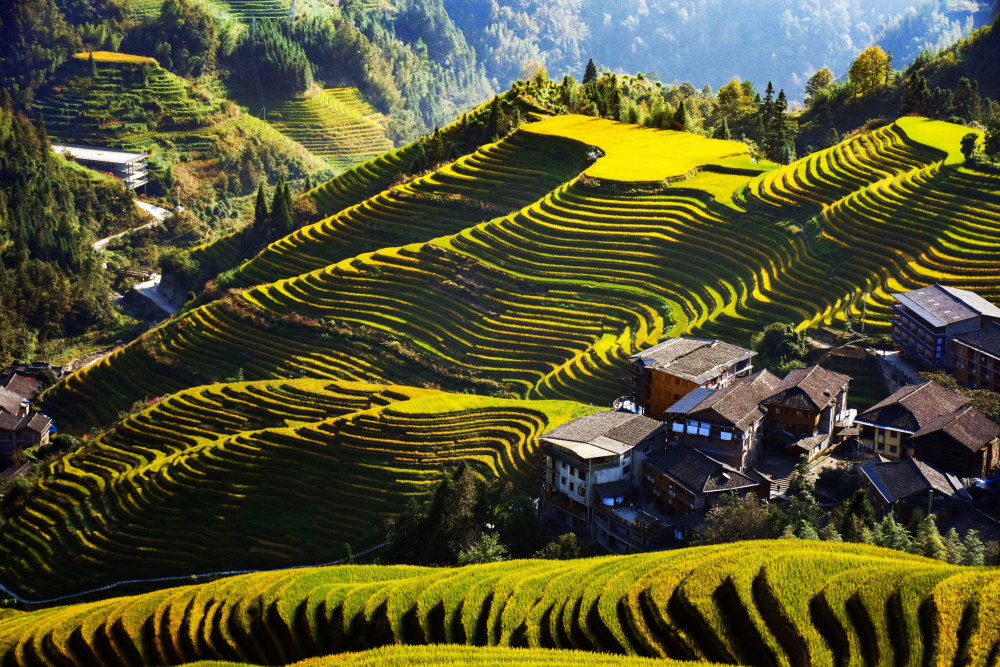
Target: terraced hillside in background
[(257, 475), (134, 104), (786, 602), (335, 124), (550, 300)]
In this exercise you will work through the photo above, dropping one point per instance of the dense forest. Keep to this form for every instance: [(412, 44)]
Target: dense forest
[(707, 42), (51, 282)]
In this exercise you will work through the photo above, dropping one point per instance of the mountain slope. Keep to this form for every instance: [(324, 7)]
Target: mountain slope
[(548, 301), (258, 475), (780, 602)]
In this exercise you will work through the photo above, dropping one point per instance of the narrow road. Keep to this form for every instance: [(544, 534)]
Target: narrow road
[(151, 290), (159, 214)]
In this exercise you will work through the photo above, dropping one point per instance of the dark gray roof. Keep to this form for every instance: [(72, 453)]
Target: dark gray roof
[(811, 388), (899, 480), (739, 403), (985, 340), (940, 305), (624, 427), (9, 401), (966, 426), (695, 359), (23, 386), (912, 407), (35, 421), (697, 471)]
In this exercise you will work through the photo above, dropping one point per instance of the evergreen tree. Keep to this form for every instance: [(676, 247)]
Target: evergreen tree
[(281, 211), (974, 551), (832, 137), (892, 535), (965, 102), (954, 549), (260, 213), (777, 140), (858, 513), (991, 142), (590, 74), (927, 540), (681, 120), (725, 130), (766, 108), (93, 66)]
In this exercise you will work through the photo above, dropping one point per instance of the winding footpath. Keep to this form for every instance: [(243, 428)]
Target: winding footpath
[(159, 214)]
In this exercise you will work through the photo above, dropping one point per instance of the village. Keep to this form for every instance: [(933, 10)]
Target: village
[(699, 424)]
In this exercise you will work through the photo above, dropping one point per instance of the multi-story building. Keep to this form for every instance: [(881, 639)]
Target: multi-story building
[(595, 460), (886, 427), (665, 373), (805, 407), (726, 423), (130, 168), (902, 487), (20, 427), (926, 320), (976, 358), (964, 443)]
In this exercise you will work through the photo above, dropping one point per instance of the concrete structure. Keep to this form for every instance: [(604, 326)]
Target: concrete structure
[(665, 373), (926, 320), (727, 423), (130, 168), (901, 487), (976, 358), (595, 461), (805, 408)]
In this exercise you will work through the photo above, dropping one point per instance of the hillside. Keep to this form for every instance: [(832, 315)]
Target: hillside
[(257, 475), (135, 104), (548, 301), (782, 602)]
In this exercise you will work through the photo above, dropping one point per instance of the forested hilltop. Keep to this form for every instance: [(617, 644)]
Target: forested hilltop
[(51, 282)]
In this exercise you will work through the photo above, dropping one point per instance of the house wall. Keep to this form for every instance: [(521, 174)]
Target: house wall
[(741, 451), (668, 496), (663, 390), (803, 422), (887, 442), (940, 451), (976, 369)]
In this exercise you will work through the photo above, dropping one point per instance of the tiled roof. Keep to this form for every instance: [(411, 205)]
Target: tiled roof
[(23, 386), (940, 305), (967, 426), (9, 401), (985, 340), (811, 388), (694, 359), (739, 403), (912, 407), (698, 472), (899, 480), (607, 429)]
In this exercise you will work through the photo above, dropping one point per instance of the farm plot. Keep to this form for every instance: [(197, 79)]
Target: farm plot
[(257, 475), (764, 602)]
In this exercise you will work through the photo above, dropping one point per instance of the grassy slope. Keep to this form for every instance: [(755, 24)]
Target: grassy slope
[(780, 602), (160, 113), (549, 300), (257, 475)]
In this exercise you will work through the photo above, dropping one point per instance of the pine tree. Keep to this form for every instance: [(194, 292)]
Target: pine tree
[(974, 550), (260, 213), (724, 133), (777, 138), (954, 548), (766, 107), (927, 540), (281, 211), (681, 120), (966, 103), (590, 74)]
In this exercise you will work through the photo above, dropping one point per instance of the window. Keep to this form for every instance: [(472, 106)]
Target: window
[(571, 486), (579, 473), (677, 427), (893, 449), (703, 429), (562, 480), (777, 411), (627, 470), (726, 435)]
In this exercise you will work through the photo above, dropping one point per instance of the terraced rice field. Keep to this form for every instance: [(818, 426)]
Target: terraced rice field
[(786, 602), (136, 108), (551, 299), (256, 475), (336, 124)]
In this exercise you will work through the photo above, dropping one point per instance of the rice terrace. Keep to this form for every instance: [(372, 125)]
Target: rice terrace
[(362, 332)]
